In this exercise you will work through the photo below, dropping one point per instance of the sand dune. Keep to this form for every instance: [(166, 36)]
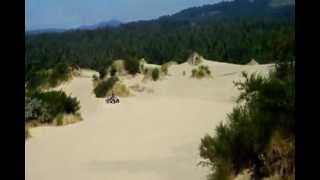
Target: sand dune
[(149, 136)]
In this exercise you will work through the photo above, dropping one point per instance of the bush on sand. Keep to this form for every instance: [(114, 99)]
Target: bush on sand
[(58, 102), (201, 72), (105, 86), (120, 89), (155, 74), (243, 141), (132, 66)]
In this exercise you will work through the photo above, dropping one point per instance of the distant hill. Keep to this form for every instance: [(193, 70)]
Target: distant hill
[(233, 9), (48, 30), (234, 31), (212, 12), (111, 23), (280, 3)]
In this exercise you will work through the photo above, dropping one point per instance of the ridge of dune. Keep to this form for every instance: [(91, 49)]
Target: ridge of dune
[(151, 136), (252, 62)]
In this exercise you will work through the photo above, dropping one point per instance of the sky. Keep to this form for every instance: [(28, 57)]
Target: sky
[(66, 14)]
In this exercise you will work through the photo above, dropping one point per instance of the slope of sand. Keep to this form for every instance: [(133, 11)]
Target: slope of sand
[(149, 136)]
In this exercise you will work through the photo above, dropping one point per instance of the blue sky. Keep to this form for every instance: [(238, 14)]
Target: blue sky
[(42, 14)]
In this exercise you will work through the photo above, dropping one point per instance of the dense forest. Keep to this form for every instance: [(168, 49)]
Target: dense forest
[(228, 31)]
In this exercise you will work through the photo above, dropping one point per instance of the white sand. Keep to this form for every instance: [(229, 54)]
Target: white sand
[(252, 62), (146, 137)]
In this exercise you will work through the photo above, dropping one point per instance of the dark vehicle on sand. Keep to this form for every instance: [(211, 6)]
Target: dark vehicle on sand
[(112, 99)]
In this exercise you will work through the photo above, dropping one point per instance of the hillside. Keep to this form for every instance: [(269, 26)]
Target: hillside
[(234, 31), (111, 23), (232, 9)]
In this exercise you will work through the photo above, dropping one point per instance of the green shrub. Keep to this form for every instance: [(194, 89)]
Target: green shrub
[(45, 106), (269, 107), (284, 70), (180, 61), (95, 78), (205, 69), (201, 72), (48, 78), (280, 156), (61, 69), (194, 72), (36, 109), (155, 74), (58, 102), (197, 61), (164, 68), (71, 105), (141, 67), (59, 120), (132, 66), (102, 72), (145, 71), (113, 72), (104, 87), (120, 89), (183, 73), (26, 132), (221, 171), (36, 79), (59, 73)]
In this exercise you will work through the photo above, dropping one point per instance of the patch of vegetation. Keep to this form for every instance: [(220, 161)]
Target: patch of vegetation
[(65, 119), (145, 71), (280, 157), (59, 120), (26, 133), (164, 69), (113, 71), (45, 107), (48, 78), (140, 88), (36, 109), (95, 78), (132, 66), (117, 68), (60, 73), (155, 74), (102, 67), (105, 86), (36, 79), (183, 73), (195, 59), (137, 88), (58, 102), (181, 60), (198, 61), (241, 142), (102, 72), (142, 64), (201, 72), (120, 89)]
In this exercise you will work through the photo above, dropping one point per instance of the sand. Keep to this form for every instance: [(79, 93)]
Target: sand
[(149, 136), (252, 62)]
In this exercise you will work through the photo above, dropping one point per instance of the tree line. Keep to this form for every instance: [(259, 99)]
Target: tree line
[(234, 41)]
